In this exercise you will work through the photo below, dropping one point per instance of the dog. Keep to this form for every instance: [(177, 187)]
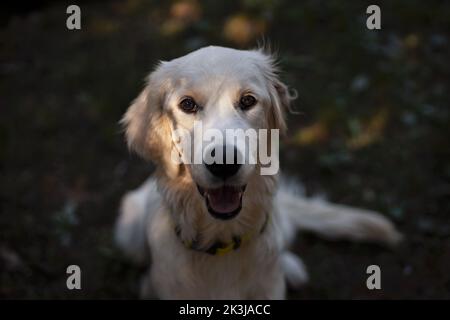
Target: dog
[(221, 230)]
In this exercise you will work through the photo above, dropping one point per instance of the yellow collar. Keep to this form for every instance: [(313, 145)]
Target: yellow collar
[(219, 248)]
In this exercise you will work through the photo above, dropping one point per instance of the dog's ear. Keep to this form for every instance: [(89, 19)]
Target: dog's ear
[(147, 129), (281, 102), (280, 96)]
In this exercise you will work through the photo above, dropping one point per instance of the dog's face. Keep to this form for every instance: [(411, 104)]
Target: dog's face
[(197, 107)]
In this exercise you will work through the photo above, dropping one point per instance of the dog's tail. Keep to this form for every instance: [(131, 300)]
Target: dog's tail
[(131, 226), (333, 221)]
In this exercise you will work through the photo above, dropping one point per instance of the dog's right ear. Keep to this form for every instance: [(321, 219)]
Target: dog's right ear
[(135, 123), (146, 127)]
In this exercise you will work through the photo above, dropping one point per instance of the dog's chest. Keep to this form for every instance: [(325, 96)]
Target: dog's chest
[(251, 272), (244, 273)]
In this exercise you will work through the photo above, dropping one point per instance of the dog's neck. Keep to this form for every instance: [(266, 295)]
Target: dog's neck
[(190, 215)]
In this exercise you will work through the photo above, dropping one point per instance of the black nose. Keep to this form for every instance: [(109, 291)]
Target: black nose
[(224, 170)]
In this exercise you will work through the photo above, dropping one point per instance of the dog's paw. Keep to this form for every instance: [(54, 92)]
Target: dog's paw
[(294, 270)]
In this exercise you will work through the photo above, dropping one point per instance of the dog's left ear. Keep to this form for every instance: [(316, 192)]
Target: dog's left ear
[(281, 101), (280, 97)]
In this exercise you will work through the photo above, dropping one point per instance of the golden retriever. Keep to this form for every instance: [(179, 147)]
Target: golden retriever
[(221, 230)]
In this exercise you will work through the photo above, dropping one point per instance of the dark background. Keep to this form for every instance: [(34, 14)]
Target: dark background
[(372, 132)]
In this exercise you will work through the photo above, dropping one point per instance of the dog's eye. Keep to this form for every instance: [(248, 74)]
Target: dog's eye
[(247, 102), (188, 105)]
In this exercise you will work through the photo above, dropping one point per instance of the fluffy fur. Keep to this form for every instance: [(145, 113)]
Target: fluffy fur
[(259, 269)]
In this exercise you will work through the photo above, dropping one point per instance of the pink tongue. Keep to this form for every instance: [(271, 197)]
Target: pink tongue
[(225, 199)]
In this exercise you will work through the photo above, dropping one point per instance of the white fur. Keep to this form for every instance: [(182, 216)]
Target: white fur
[(260, 268)]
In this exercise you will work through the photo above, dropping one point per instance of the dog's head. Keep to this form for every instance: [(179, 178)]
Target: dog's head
[(207, 109)]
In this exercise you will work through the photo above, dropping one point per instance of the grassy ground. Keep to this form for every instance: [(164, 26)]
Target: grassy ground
[(373, 132)]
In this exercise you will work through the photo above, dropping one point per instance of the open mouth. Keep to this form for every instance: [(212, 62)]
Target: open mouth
[(224, 202)]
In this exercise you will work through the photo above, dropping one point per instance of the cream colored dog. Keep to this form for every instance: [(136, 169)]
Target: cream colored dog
[(221, 230)]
